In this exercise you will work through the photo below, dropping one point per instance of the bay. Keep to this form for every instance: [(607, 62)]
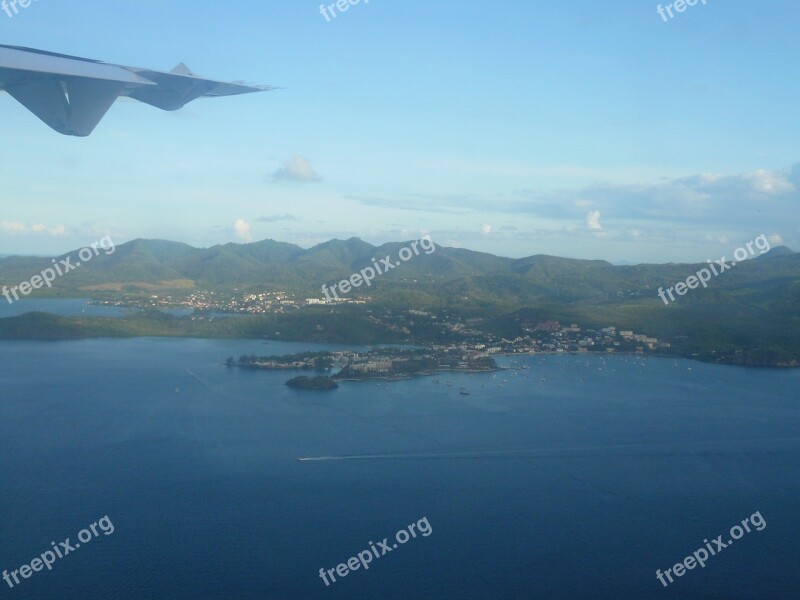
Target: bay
[(576, 477)]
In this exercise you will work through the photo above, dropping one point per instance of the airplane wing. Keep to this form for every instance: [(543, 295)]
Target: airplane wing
[(72, 94)]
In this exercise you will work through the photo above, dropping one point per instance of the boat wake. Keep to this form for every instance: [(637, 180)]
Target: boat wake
[(766, 445)]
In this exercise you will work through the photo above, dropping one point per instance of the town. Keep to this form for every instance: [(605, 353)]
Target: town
[(235, 302), (472, 355), (444, 330)]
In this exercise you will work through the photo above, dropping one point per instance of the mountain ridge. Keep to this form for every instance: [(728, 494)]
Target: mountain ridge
[(270, 262)]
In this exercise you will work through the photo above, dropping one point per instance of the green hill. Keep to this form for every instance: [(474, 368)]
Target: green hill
[(752, 308)]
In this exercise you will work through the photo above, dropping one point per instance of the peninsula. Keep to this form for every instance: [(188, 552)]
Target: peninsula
[(380, 363)]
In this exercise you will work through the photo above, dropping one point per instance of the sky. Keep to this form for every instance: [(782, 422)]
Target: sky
[(593, 130)]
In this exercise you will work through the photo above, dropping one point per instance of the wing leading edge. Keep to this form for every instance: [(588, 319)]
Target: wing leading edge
[(72, 94)]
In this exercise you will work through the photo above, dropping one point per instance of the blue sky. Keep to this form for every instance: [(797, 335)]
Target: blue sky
[(573, 128)]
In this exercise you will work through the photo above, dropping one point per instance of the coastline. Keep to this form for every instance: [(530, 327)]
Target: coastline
[(39, 326), (420, 374)]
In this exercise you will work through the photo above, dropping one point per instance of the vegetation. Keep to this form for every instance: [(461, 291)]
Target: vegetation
[(749, 315), (309, 360)]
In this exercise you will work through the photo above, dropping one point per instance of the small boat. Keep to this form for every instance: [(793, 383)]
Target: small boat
[(463, 392), (177, 390)]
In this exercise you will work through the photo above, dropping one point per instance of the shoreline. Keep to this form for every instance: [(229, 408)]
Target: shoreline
[(46, 327), (415, 375)]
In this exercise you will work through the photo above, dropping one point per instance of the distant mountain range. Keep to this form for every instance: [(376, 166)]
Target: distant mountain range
[(755, 304), (452, 271)]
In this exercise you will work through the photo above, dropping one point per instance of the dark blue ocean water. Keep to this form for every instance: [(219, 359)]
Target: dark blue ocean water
[(576, 478)]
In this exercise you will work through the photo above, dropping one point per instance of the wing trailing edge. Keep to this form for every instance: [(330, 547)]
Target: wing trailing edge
[(72, 95)]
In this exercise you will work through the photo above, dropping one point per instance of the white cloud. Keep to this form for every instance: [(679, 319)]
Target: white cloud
[(242, 229), (12, 227), (593, 221), (38, 228), (723, 206), (768, 182), (775, 239), (296, 169)]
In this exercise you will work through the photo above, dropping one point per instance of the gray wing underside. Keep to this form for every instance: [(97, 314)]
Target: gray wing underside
[(72, 94)]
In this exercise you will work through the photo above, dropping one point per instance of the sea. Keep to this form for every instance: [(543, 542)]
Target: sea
[(563, 476), (82, 307)]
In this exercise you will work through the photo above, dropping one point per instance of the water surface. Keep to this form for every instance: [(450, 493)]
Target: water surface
[(575, 478)]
